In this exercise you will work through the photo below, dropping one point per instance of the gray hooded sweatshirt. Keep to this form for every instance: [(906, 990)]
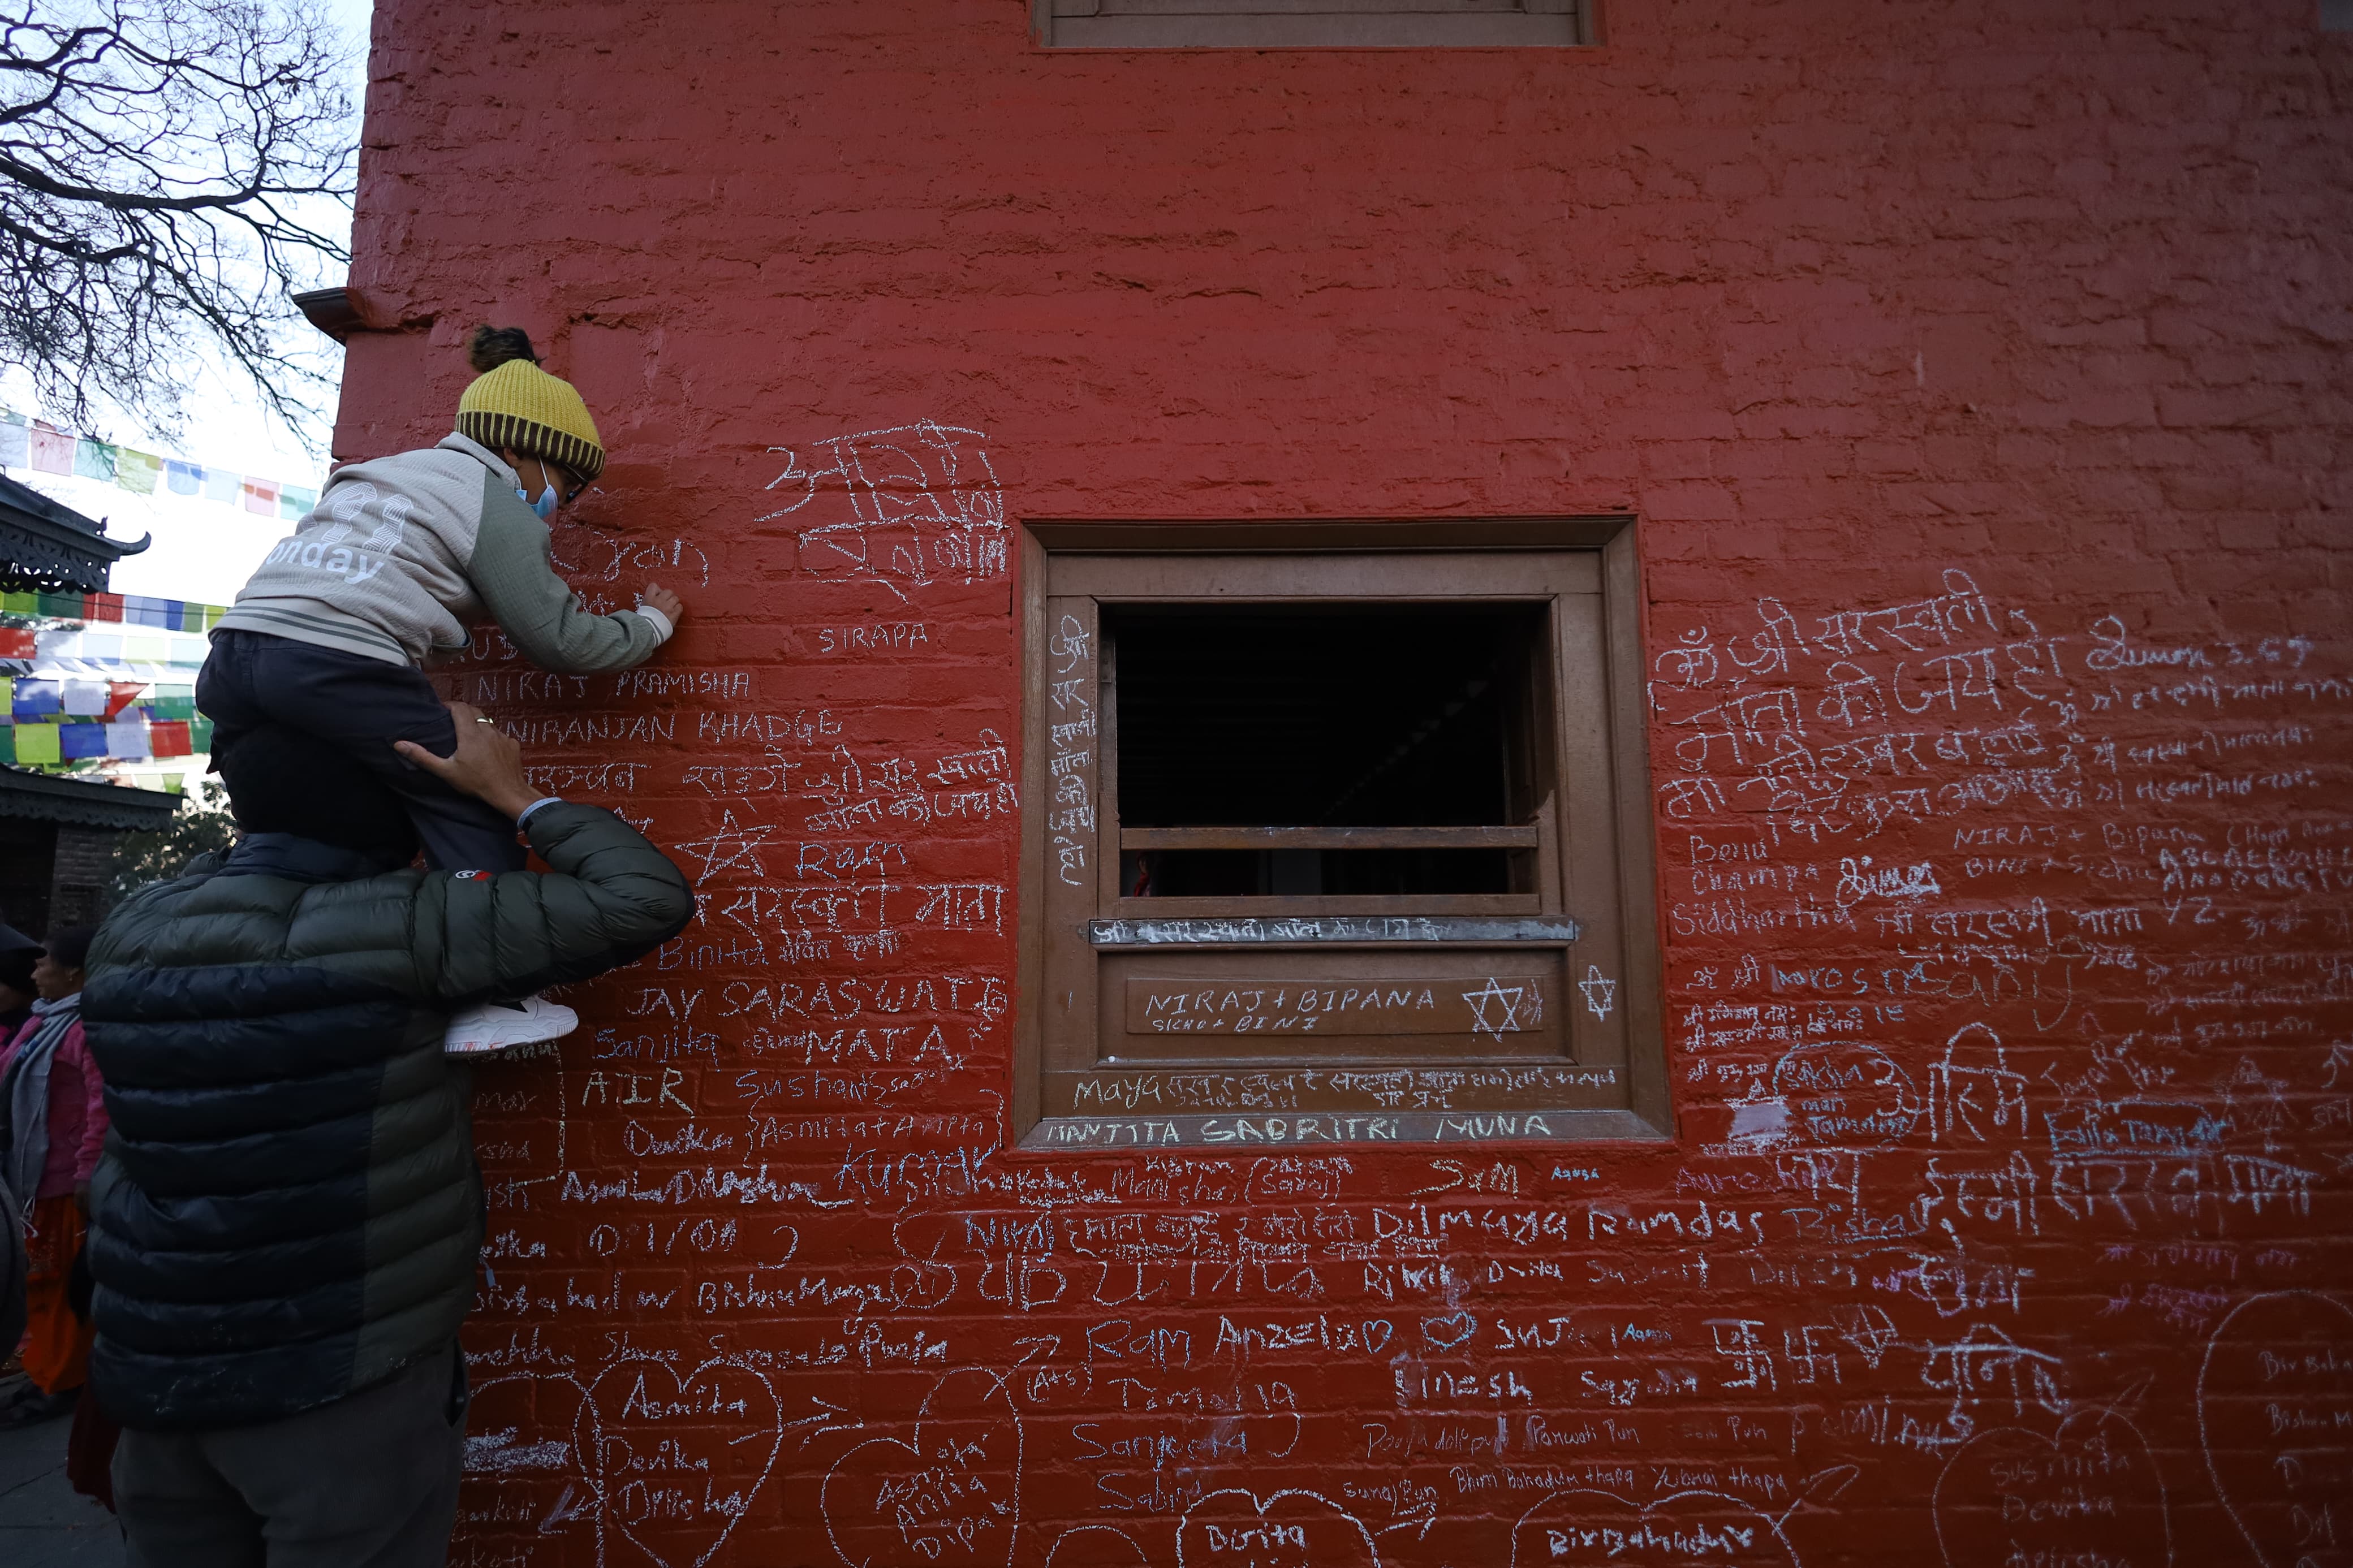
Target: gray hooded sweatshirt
[(402, 555)]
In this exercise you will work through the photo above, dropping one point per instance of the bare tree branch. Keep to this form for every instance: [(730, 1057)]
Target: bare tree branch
[(153, 154)]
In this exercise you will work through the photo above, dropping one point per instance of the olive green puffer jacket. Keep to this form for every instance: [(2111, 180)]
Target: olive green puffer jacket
[(289, 1208)]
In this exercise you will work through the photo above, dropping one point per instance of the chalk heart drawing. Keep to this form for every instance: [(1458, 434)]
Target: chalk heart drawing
[(1097, 1546), (2275, 1418), (2090, 1493), (677, 1459), (948, 1495), (1449, 1332), (522, 1466), (1597, 1527), (1847, 1094), (1235, 1529)]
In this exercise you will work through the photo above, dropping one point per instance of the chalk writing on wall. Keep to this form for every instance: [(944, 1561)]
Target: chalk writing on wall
[(2010, 999), (906, 507)]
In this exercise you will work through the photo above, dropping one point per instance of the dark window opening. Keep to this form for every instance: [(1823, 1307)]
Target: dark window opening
[(1309, 873), (1294, 750)]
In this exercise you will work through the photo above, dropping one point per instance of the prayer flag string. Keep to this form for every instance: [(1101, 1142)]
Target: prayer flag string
[(45, 448)]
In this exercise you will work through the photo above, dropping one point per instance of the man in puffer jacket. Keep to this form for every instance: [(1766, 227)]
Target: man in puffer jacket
[(286, 1223)]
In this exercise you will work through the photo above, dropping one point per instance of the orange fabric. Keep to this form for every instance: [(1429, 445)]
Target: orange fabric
[(89, 1452), (57, 1344)]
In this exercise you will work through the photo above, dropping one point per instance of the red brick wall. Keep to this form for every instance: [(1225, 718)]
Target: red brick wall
[(1977, 373)]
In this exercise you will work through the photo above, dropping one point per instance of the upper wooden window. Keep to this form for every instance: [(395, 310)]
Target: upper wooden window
[(1337, 833), (1291, 24)]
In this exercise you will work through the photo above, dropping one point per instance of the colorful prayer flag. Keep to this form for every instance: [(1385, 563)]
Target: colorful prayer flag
[(15, 642), (261, 495), (223, 486), (200, 734), (35, 700), (16, 442), (137, 471), (81, 743), (53, 449), (168, 738), (37, 744), (85, 699), (94, 460), (294, 503), (184, 479), (126, 740)]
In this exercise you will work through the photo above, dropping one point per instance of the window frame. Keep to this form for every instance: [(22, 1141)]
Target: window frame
[(1070, 899), (1309, 24)]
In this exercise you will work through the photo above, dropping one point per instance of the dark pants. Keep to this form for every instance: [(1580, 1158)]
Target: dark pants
[(359, 705), (369, 1481)]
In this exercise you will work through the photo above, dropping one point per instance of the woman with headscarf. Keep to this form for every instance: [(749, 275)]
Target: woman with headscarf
[(52, 1127)]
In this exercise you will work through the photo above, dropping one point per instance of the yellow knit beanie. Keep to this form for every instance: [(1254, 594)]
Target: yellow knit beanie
[(514, 405)]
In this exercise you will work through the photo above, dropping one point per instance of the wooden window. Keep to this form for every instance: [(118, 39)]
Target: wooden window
[(1291, 24), (1335, 833)]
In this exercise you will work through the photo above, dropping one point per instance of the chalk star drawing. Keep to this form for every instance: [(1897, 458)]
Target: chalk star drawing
[(732, 847), (1600, 994), (1510, 999)]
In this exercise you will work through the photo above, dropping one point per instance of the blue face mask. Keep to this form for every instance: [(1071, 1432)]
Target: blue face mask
[(546, 505)]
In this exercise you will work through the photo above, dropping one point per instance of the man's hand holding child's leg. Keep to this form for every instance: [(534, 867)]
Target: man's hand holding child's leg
[(487, 764)]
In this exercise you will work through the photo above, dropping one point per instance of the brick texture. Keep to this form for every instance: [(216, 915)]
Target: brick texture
[(1979, 374), (78, 875)]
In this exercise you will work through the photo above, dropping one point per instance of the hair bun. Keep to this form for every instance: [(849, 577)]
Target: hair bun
[(491, 347)]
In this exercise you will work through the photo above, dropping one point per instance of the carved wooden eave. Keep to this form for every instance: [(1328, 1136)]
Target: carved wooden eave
[(45, 547), (84, 802)]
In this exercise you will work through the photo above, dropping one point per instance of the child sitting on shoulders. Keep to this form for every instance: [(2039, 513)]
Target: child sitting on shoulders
[(396, 562)]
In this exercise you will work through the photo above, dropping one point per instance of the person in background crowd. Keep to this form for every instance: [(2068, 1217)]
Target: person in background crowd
[(18, 955), (52, 1127), (17, 952), (288, 1217)]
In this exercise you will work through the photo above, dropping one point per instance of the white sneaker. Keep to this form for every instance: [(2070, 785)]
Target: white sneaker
[(495, 1025)]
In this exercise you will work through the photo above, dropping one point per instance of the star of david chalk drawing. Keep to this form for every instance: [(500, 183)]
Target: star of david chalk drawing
[(1600, 994), (1509, 1000), (732, 847)]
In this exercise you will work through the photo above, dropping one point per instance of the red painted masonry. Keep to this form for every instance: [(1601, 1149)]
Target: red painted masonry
[(1977, 373)]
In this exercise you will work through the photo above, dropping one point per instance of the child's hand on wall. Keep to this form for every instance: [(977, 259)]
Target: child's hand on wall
[(660, 598)]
